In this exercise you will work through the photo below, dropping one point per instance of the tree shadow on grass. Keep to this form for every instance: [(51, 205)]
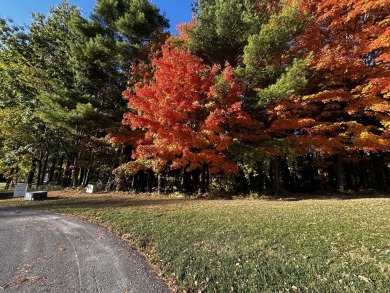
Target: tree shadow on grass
[(106, 202), (6, 195), (327, 196), (103, 202)]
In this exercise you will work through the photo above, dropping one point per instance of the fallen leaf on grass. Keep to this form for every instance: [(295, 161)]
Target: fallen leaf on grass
[(365, 279), (294, 288), (304, 256), (126, 236)]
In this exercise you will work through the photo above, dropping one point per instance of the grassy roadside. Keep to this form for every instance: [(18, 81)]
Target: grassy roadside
[(248, 245)]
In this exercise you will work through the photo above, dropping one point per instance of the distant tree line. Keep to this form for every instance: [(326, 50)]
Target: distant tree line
[(251, 97)]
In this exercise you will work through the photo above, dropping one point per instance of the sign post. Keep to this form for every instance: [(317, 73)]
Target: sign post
[(20, 190)]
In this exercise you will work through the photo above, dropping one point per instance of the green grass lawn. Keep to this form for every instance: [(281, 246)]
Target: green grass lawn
[(324, 245)]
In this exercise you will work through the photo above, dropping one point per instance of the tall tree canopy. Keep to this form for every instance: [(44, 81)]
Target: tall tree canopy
[(66, 74), (197, 114), (250, 95), (319, 67), (345, 108)]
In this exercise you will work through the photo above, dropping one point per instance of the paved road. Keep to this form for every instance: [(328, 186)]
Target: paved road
[(41, 252)]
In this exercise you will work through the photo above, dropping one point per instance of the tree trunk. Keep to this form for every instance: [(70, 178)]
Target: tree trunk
[(176, 181), (31, 174), (148, 181), (384, 178), (39, 171), (158, 183), (263, 183), (380, 172), (182, 181), (9, 179), (340, 173), (67, 173), (59, 178), (44, 167), (312, 173), (208, 178), (51, 171), (15, 180), (166, 181), (202, 180), (75, 173), (349, 179), (133, 182), (110, 175), (275, 175), (81, 180), (86, 177)]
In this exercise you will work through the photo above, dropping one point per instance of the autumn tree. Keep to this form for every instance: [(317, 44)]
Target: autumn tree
[(254, 36), (344, 111), (194, 124)]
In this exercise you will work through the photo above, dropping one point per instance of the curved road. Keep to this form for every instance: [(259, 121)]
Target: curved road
[(42, 252)]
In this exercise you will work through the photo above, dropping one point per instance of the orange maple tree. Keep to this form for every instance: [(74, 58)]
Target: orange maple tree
[(189, 113), (345, 106)]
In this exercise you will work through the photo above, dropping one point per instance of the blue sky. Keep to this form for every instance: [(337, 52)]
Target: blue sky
[(176, 11)]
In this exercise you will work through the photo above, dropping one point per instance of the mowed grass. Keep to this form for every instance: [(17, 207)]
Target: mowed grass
[(324, 245)]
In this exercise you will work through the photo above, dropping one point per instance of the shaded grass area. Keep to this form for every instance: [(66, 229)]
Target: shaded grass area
[(248, 245), (5, 193), (2, 186)]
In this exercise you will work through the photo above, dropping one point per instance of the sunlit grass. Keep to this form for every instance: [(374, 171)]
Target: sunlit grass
[(250, 245), (2, 185)]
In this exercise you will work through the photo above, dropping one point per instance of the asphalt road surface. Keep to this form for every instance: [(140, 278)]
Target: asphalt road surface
[(42, 252)]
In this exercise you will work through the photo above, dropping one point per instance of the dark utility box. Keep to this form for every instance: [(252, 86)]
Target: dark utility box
[(36, 195)]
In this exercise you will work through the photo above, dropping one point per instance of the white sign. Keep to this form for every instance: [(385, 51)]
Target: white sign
[(20, 190)]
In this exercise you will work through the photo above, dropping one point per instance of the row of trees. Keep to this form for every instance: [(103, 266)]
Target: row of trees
[(250, 96), (61, 84)]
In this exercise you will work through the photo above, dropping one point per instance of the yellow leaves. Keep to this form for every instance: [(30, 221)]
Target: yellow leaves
[(13, 122), (383, 107), (365, 135), (370, 142), (280, 107), (324, 128), (386, 124), (327, 96)]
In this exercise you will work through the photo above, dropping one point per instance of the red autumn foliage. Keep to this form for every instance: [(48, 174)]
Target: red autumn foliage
[(189, 113), (345, 107)]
